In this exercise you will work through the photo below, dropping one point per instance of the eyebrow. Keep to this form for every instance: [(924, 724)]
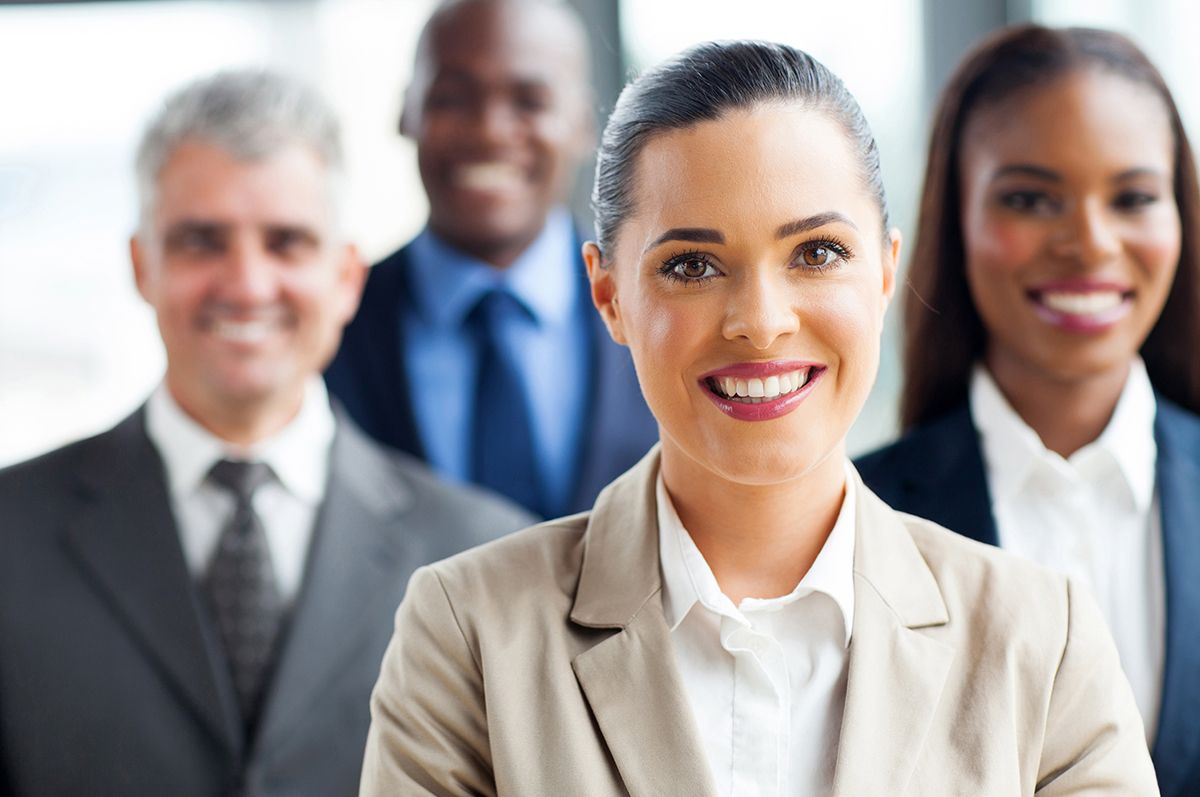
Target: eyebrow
[(1041, 172), (707, 235)]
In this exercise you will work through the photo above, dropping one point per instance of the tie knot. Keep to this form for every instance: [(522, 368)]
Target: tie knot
[(495, 308), (240, 478)]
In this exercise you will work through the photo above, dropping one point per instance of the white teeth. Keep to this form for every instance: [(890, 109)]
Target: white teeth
[(493, 176), (1088, 303), (758, 390), (242, 331)]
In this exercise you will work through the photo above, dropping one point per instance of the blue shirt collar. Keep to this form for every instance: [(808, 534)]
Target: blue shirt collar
[(447, 283)]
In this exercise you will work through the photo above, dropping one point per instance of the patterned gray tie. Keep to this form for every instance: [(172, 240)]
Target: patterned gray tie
[(242, 589)]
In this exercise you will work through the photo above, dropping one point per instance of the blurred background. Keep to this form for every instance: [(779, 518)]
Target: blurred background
[(78, 80)]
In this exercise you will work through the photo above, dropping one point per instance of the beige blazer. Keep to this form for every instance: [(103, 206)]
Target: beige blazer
[(541, 665)]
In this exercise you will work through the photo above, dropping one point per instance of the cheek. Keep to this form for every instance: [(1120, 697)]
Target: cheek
[(1000, 245), (1156, 248)]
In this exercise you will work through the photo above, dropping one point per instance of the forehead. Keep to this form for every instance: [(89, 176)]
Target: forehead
[(201, 181), (498, 40), (752, 170), (1085, 121)]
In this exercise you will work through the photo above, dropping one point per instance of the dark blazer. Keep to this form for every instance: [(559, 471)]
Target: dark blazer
[(937, 472), (369, 377), (112, 681)]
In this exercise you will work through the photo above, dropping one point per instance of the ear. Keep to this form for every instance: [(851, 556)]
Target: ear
[(352, 275), (142, 278), (604, 292), (891, 263)]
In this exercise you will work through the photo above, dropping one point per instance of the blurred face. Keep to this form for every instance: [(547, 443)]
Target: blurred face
[(750, 285), (1070, 227), (244, 270), (498, 108)]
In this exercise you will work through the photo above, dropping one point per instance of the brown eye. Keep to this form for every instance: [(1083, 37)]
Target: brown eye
[(692, 269), (818, 256), (689, 268)]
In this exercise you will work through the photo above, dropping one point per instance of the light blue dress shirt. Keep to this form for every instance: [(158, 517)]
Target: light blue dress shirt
[(551, 345)]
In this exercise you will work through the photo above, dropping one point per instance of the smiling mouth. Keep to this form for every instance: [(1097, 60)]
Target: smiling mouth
[(759, 390), (1081, 303), (492, 177)]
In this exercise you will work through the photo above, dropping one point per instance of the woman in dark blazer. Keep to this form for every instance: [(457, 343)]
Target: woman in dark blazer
[(1051, 383)]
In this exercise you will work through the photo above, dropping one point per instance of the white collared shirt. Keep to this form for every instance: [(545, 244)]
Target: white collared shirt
[(287, 505), (1094, 516), (766, 679)]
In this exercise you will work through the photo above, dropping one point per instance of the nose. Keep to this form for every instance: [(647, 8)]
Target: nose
[(249, 273), (760, 311), (496, 121), (1089, 235)]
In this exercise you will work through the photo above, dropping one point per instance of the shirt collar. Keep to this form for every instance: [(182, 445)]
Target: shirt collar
[(1014, 451), (688, 580), (447, 283), (298, 454)]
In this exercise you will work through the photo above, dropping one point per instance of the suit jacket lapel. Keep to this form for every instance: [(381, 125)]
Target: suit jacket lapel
[(125, 539), (1177, 742), (896, 673), (630, 679), (351, 566)]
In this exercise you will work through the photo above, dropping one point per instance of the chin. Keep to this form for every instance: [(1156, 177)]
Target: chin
[(752, 464)]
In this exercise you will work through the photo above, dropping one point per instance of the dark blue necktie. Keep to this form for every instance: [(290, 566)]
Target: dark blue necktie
[(502, 437)]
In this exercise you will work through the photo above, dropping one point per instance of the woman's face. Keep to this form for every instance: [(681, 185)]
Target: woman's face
[(1070, 227), (750, 284)]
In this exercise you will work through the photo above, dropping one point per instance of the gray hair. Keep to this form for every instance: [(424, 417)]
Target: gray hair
[(249, 115)]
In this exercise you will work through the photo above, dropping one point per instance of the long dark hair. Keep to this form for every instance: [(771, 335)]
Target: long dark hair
[(702, 83), (944, 335)]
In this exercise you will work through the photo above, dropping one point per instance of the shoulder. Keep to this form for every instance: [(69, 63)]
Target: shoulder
[(35, 480), (528, 574), (920, 443), (392, 473), (1001, 607)]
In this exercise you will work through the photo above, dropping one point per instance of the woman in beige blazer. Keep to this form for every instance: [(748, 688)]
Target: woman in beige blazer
[(738, 614)]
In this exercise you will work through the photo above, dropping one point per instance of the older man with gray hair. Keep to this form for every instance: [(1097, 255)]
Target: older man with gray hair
[(196, 601)]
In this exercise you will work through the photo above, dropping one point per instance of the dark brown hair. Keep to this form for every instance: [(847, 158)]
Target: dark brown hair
[(702, 83), (944, 335)]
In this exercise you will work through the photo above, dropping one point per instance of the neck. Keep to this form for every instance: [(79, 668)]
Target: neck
[(499, 254), (758, 539), (1067, 414), (244, 425)]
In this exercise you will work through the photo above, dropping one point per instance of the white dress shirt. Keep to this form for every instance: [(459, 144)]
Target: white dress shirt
[(766, 679), (287, 505), (1093, 516)]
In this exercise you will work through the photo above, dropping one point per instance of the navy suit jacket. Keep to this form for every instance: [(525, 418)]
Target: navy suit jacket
[(112, 678), (369, 376), (936, 471)]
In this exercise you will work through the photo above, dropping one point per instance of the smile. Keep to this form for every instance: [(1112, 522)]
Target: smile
[(490, 177), (1082, 307), (761, 391)]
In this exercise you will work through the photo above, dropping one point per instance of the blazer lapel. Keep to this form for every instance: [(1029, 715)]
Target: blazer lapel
[(896, 673), (1177, 742), (630, 678), (353, 564), (125, 539)]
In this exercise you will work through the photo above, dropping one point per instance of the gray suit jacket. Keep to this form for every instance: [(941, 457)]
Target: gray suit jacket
[(541, 664), (111, 679)]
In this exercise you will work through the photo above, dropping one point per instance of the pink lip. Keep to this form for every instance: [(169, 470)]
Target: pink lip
[(767, 410), (1071, 322)]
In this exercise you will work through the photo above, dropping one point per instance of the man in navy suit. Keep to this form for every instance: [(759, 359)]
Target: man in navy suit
[(476, 347)]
